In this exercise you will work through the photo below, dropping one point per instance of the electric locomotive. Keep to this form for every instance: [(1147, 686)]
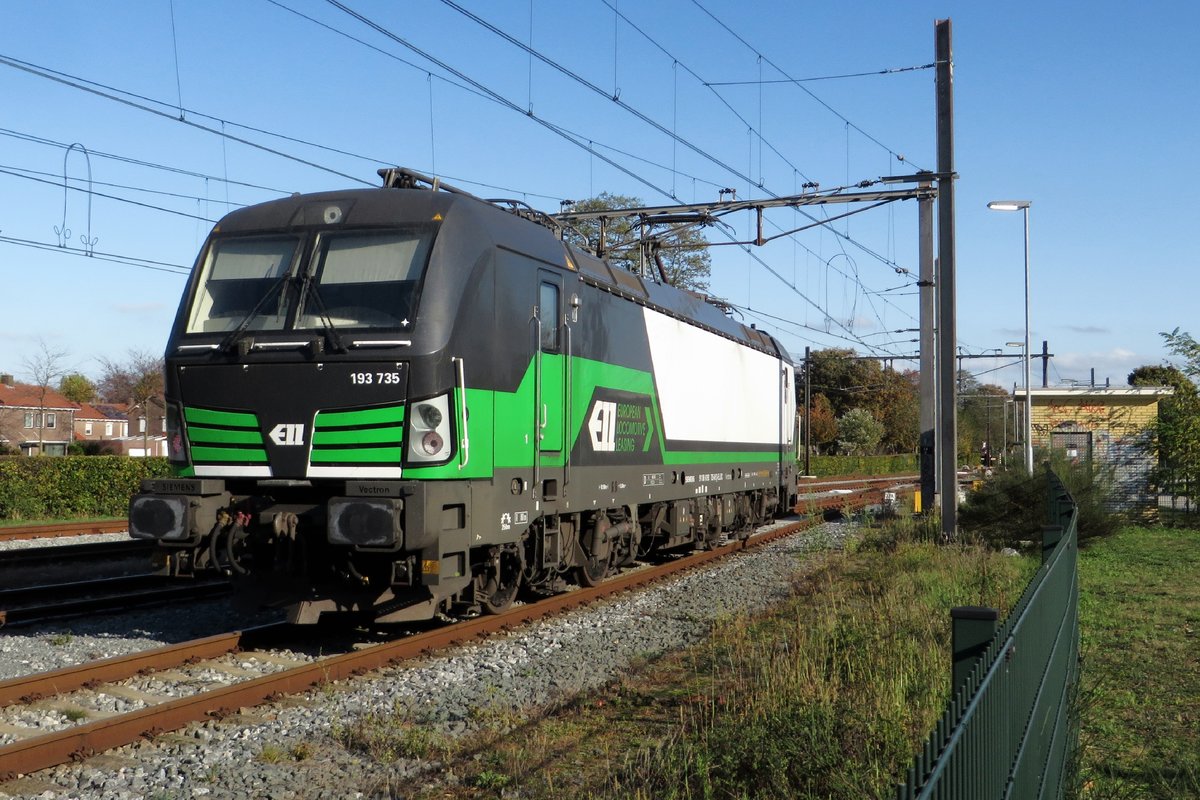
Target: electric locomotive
[(407, 401)]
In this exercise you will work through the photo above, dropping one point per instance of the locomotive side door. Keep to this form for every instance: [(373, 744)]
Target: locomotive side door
[(550, 387)]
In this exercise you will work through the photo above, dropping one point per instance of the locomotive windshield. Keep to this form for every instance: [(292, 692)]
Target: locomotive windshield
[(364, 280), (241, 276), (353, 279)]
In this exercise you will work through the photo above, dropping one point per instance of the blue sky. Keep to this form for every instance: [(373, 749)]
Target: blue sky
[(1086, 109)]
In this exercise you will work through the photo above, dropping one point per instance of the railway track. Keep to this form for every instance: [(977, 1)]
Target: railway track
[(50, 530), (31, 558), (33, 604), (49, 749), (46, 750)]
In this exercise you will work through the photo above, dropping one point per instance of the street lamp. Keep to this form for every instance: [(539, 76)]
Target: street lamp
[(1023, 205)]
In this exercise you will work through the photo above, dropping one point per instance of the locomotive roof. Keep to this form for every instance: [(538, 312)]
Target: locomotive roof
[(461, 212)]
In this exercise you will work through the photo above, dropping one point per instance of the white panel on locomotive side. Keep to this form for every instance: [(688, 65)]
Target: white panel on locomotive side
[(737, 399)]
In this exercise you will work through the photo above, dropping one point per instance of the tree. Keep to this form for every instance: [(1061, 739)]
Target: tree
[(683, 252), (1175, 435), (1182, 345), (858, 432), (981, 419), (843, 377), (136, 380), (77, 388), (823, 424), (44, 368), (847, 381), (897, 406), (1162, 375)]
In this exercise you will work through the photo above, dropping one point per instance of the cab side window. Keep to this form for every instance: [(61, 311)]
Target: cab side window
[(548, 313)]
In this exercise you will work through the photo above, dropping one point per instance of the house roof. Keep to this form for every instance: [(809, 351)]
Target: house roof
[(1095, 392), (89, 411), (112, 410), (24, 395)]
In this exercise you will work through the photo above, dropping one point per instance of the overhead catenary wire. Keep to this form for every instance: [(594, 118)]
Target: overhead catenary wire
[(83, 85), (641, 116), (28, 137), (515, 107), (10, 170), (774, 321), (761, 82), (628, 155), (107, 196), (805, 89), (762, 140), (616, 99), (462, 76), (734, 171), (132, 261), (224, 136), (702, 82)]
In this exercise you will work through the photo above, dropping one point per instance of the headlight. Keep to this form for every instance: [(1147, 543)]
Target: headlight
[(177, 446), (429, 430), (431, 415), (154, 516), (366, 523)]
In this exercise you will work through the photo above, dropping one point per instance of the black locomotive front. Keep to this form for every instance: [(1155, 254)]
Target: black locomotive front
[(292, 406)]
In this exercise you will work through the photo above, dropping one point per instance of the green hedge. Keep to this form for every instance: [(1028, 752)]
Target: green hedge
[(862, 465), (68, 487)]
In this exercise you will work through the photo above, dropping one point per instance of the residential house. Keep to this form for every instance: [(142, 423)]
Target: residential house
[(147, 432), (34, 419), (100, 423)]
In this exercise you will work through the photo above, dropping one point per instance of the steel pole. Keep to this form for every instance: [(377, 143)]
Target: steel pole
[(928, 385), (1028, 388), (947, 327), (807, 411)]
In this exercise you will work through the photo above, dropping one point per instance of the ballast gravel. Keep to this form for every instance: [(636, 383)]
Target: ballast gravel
[(288, 749), (62, 541)]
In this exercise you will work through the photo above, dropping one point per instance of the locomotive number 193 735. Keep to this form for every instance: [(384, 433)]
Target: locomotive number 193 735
[(371, 378)]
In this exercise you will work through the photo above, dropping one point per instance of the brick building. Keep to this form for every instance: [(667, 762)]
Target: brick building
[(101, 422), (1105, 427), (35, 419)]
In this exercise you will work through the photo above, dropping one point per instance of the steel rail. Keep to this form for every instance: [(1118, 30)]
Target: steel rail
[(50, 530), (56, 554), (841, 481), (28, 688), (41, 752), (54, 601)]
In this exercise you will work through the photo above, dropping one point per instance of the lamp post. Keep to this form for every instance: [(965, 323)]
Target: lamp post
[(1023, 205)]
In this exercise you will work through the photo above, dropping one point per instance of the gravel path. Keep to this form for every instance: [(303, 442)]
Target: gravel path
[(285, 750)]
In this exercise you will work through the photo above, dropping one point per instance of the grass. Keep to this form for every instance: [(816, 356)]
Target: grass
[(390, 736), (827, 695), (1140, 628)]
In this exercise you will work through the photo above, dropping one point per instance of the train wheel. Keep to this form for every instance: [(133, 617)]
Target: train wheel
[(592, 571), (503, 581)]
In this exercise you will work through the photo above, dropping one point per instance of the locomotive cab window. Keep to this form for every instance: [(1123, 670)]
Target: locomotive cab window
[(243, 276), (549, 316), (365, 279)]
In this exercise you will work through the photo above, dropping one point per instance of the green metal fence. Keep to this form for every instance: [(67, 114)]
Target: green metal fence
[(1010, 730)]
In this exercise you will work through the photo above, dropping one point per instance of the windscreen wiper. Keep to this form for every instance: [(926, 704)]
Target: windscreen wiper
[(232, 339), (308, 287)]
